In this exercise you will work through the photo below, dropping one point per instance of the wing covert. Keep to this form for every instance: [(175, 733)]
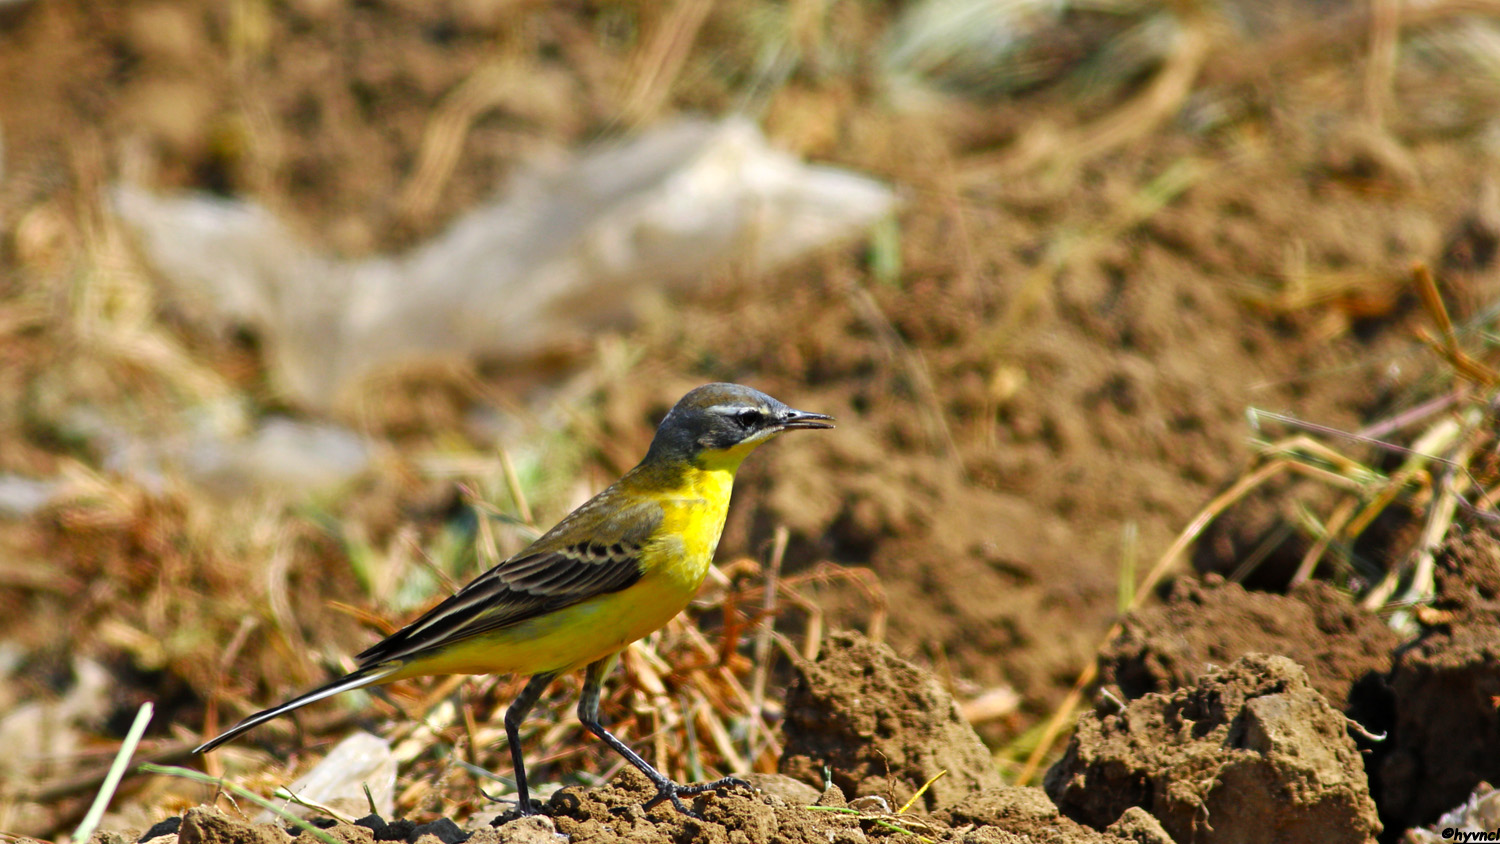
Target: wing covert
[(594, 551)]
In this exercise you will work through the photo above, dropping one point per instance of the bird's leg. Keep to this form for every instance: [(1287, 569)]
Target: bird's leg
[(588, 713), (514, 715)]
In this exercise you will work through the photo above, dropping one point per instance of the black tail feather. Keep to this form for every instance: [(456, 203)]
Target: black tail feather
[(359, 679)]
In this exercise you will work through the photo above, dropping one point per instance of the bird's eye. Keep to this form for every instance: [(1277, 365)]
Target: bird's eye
[(750, 417)]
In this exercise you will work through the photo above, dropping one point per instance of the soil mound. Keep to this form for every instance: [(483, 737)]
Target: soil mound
[(1443, 688), (1025, 812), (203, 825), (613, 813), (1214, 622), (1252, 753), (882, 726)]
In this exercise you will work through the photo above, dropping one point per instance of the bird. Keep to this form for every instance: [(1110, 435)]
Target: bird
[(613, 571)]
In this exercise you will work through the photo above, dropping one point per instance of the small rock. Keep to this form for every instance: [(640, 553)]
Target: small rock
[(832, 796), (794, 792), (1140, 826), (442, 830), (207, 826), (161, 829), (397, 830), (871, 804)]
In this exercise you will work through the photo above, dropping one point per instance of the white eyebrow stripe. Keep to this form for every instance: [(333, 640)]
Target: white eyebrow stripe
[(733, 408)]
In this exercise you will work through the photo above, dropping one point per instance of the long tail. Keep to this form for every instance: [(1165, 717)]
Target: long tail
[(359, 679)]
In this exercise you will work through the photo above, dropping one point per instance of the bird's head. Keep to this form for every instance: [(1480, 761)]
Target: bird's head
[(718, 424)]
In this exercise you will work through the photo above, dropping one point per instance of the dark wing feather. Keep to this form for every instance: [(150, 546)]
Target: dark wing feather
[(594, 551)]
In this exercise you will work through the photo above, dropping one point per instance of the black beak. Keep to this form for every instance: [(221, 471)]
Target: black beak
[(802, 419)]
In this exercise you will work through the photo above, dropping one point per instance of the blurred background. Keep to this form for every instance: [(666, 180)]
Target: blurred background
[(310, 310)]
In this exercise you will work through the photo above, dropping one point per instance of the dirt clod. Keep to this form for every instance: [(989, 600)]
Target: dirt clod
[(360, 834), (1025, 812), (1214, 622), (521, 831), (532, 830), (1140, 826), (206, 826), (882, 726), (1445, 738), (440, 831), (614, 813), (1251, 753)]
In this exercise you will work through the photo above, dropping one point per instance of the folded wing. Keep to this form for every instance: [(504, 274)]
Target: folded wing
[(594, 551)]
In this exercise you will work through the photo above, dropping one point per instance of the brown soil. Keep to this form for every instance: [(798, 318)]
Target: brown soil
[(854, 706), (1250, 753), (613, 814), (1204, 626)]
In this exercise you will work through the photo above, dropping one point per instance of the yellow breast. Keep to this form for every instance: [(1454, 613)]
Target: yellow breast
[(692, 522)]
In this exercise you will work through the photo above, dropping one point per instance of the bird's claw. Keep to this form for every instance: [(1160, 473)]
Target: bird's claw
[(668, 790), (522, 810), (532, 809)]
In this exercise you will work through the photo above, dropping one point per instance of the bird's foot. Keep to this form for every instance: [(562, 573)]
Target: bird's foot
[(529, 809), (668, 790), (523, 809)]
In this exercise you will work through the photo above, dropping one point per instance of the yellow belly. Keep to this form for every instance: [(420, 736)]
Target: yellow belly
[(564, 640), (674, 566)]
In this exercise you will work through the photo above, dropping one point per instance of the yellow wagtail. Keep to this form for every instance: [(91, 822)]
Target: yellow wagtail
[(617, 568)]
